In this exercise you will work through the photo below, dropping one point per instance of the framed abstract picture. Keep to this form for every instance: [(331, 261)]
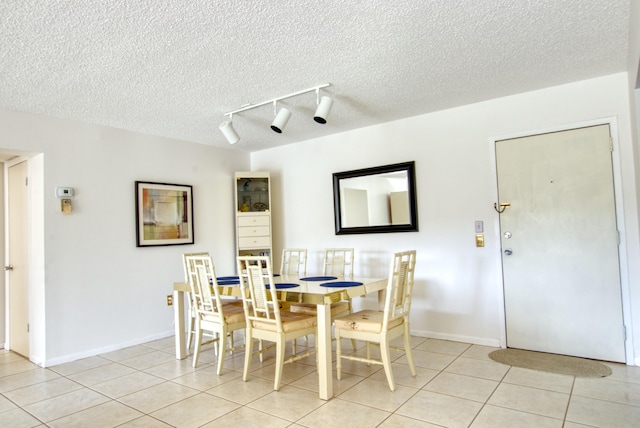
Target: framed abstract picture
[(164, 214)]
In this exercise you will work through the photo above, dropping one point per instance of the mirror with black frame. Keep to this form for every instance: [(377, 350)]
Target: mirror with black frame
[(376, 200)]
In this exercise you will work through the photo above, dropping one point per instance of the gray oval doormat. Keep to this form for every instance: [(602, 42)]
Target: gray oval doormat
[(554, 363)]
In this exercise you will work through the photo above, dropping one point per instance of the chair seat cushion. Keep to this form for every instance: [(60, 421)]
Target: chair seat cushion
[(290, 322), (233, 314), (366, 321), (309, 308), (232, 302)]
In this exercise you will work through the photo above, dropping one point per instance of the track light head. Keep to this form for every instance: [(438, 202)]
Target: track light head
[(323, 110), (229, 133), (281, 120)]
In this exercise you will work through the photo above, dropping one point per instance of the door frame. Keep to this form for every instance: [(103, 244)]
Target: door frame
[(7, 309), (618, 195)]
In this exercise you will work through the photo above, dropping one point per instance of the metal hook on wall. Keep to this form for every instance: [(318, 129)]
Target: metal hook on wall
[(502, 207)]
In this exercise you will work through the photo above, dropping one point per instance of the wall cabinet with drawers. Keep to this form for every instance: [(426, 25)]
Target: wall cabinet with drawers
[(253, 213)]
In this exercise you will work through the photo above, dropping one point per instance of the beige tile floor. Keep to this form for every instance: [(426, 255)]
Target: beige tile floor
[(457, 385)]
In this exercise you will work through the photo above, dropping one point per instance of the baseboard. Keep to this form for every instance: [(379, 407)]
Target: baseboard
[(104, 350), (483, 341)]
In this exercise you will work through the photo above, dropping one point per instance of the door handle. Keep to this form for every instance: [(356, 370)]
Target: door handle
[(508, 251), (8, 268)]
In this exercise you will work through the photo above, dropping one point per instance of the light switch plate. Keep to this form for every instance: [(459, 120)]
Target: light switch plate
[(65, 206), (479, 226)]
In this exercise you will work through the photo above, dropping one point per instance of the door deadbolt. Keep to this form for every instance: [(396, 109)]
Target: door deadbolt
[(8, 268), (507, 235)]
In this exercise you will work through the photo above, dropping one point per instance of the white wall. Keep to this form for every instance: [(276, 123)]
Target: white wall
[(97, 291), (458, 286)]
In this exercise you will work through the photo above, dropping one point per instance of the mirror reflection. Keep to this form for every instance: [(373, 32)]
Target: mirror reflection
[(379, 199)]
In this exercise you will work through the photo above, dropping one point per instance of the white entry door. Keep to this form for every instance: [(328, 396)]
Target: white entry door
[(559, 241), (18, 260)]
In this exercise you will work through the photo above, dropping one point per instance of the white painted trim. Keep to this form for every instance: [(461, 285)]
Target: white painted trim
[(482, 341), (622, 247), (8, 164), (104, 350)]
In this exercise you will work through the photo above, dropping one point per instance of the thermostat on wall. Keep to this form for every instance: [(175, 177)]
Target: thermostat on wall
[(64, 192)]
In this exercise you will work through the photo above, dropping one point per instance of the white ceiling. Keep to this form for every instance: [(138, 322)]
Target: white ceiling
[(173, 68)]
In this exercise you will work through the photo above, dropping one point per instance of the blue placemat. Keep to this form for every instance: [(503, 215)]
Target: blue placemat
[(341, 284), (318, 278), (285, 285), (227, 278), (229, 282)]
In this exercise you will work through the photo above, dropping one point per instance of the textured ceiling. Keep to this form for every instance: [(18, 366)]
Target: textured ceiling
[(173, 68)]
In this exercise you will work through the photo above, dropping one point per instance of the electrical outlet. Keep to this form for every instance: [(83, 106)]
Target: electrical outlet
[(169, 300)]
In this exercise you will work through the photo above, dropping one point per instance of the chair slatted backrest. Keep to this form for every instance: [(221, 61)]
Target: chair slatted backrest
[(208, 305), (338, 262), (202, 279), (400, 287), (259, 303), (184, 263), (294, 261)]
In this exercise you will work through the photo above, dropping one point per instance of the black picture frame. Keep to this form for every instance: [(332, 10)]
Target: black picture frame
[(164, 214)]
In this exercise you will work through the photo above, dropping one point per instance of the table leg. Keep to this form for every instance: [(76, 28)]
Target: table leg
[(323, 348), (178, 311)]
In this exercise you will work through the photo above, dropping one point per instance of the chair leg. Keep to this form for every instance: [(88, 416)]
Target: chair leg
[(386, 361), (196, 352), (407, 349), (190, 330), (223, 349), (338, 354), (231, 341), (353, 341), (248, 350), (280, 349)]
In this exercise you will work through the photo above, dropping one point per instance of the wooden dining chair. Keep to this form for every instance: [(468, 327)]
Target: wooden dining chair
[(381, 327), (294, 261), (337, 262), (265, 319), (214, 318), (191, 328)]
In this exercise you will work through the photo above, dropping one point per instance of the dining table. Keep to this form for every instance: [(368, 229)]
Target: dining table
[(318, 290)]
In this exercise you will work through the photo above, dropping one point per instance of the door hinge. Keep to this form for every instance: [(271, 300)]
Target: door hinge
[(27, 327), (611, 144), (624, 332), (26, 181)]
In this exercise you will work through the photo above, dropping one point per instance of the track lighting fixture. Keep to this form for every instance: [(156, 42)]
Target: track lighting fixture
[(323, 109), (281, 119), (229, 133)]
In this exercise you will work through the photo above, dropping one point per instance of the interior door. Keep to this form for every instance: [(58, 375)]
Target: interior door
[(560, 244), (17, 266)]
